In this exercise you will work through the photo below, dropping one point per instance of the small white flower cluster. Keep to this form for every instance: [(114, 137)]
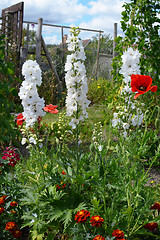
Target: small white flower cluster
[(97, 136), (30, 138), (130, 66), (128, 114), (76, 80), (32, 104)]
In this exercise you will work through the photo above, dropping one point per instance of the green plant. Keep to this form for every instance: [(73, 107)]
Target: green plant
[(8, 131), (10, 192), (140, 26), (99, 90)]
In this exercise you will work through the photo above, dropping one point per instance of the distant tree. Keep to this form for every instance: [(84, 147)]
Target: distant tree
[(32, 36), (106, 47)]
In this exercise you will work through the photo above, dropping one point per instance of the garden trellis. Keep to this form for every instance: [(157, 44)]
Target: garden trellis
[(12, 22)]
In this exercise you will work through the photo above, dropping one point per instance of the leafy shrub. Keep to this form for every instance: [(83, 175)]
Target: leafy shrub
[(98, 90)]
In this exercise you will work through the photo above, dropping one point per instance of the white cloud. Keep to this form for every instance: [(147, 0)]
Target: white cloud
[(106, 7), (52, 40), (94, 14)]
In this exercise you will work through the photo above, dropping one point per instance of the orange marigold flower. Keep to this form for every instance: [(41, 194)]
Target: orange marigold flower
[(4, 197), (96, 221), (81, 216), (98, 237), (10, 226), (63, 173), (13, 211), (13, 204), (16, 233), (141, 84), (118, 234), (1, 201), (51, 108), (1, 210), (151, 226), (156, 206)]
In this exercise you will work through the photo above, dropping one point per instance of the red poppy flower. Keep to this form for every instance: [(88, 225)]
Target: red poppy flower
[(98, 237), (96, 221), (1, 210), (141, 84), (63, 173), (16, 233), (118, 234), (13, 204), (10, 226), (20, 119), (51, 108), (81, 216), (151, 226), (156, 206)]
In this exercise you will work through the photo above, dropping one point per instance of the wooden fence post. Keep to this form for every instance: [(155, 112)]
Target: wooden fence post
[(38, 42), (114, 43), (97, 61), (52, 66), (27, 40)]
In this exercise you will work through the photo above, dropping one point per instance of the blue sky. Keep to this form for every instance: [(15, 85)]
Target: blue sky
[(90, 14)]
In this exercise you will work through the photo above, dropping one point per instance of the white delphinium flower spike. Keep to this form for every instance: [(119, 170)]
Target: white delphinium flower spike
[(76, 80), (127, 114), (32, 104)]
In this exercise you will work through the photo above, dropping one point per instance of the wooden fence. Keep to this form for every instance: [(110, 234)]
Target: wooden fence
[(12, 25)]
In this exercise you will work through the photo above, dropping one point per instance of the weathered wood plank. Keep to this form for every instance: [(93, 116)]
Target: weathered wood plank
[(38, 42), (51, 65)]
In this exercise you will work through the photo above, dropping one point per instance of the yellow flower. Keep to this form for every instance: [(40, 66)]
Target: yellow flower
[(152, 181), (99, 87), (45, 166)]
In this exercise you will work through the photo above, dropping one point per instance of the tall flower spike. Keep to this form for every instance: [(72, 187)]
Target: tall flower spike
[(76, 80), (32, 104)]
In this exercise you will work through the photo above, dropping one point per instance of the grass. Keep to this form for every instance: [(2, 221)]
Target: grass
[(95, 114)]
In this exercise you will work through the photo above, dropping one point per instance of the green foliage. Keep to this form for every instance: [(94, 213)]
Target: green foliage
[(140, 24), (99, 90), (32, 37), (10, 187), (8, 131)]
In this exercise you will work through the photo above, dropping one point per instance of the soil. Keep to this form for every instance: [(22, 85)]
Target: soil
[(154, 176)]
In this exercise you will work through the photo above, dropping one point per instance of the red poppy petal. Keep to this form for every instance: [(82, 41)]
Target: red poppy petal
[(153, 88), (137, 94), (145, 81)]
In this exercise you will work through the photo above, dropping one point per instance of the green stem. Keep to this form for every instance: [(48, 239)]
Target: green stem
[(146, 129), (77, 147), (42, 168)]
